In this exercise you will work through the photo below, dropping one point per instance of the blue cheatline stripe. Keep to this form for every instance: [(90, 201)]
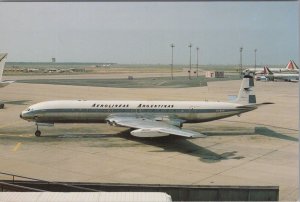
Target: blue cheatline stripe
[(76, 110)]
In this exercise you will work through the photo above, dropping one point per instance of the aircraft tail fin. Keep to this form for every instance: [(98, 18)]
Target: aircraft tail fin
[(267, 71), (291, 66), (246, 94), (3, 57), (295, 66)]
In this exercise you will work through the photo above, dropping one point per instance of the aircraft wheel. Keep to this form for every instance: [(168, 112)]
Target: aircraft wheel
[(38, 133), (1, 106)]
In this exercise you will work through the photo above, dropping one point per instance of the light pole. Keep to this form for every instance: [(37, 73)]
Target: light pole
[(190, 46), (241, 61), (172, 46), (255, 59), (197, 60)]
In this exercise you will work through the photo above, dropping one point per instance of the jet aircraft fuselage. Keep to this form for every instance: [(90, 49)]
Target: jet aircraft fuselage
[(93, 111)]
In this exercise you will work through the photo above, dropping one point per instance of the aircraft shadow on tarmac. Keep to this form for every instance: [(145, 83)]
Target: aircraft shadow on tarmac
[(168, 144), (174, 143), (182, 145), (270, 133), (264, 130)]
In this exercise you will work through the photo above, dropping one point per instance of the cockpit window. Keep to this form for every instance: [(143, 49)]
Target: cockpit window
[(29, 109)]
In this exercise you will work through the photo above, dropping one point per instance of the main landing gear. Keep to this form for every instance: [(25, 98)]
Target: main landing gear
[(37, 132)]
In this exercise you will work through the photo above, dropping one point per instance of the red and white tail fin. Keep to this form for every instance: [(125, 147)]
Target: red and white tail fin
[(291, 66), (267, 71)]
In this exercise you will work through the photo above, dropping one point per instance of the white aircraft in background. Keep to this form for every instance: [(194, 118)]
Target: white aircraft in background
[(3, 57), (290, 67), (147, 118), (280, 76)]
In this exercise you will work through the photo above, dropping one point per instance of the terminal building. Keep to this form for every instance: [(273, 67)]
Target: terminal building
[(214, 74)]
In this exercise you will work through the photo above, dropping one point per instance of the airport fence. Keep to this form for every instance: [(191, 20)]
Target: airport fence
[(177, 192)]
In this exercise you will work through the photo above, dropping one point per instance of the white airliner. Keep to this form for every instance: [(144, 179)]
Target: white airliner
[(280, 76), (3, 57), (290, 67), (146, 118)]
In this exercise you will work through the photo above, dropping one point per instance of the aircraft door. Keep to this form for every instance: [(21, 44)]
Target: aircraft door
[(138, 112), (110, 110), (194, 112), (192, 109)]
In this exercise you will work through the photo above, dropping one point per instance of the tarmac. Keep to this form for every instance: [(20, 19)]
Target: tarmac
[(258, 148)]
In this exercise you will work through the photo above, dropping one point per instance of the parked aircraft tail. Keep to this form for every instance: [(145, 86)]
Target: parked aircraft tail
[(267, 71), (246, 94), (291, 66), (3, 57)]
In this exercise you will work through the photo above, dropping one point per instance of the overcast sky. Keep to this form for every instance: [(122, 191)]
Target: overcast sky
[(141, 33)]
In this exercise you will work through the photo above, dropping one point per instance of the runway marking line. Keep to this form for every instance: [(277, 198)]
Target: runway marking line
[(26, 135), (17, 146)]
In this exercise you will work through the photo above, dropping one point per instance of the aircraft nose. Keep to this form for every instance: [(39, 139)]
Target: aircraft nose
[(26, 115), (23, 115)]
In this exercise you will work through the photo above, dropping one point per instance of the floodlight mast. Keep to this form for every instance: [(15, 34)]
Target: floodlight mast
[(172, 46), (190, 46), (241, 61), (255, 50), (197, 61)]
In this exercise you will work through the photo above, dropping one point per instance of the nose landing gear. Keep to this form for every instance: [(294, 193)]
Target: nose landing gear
[(37, 132)]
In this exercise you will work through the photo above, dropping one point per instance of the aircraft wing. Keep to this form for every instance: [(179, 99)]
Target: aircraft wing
[(146, 127)]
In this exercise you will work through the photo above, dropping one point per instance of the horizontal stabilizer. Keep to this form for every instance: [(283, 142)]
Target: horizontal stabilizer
[(255, 105), (264, 103), (246, 106)]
